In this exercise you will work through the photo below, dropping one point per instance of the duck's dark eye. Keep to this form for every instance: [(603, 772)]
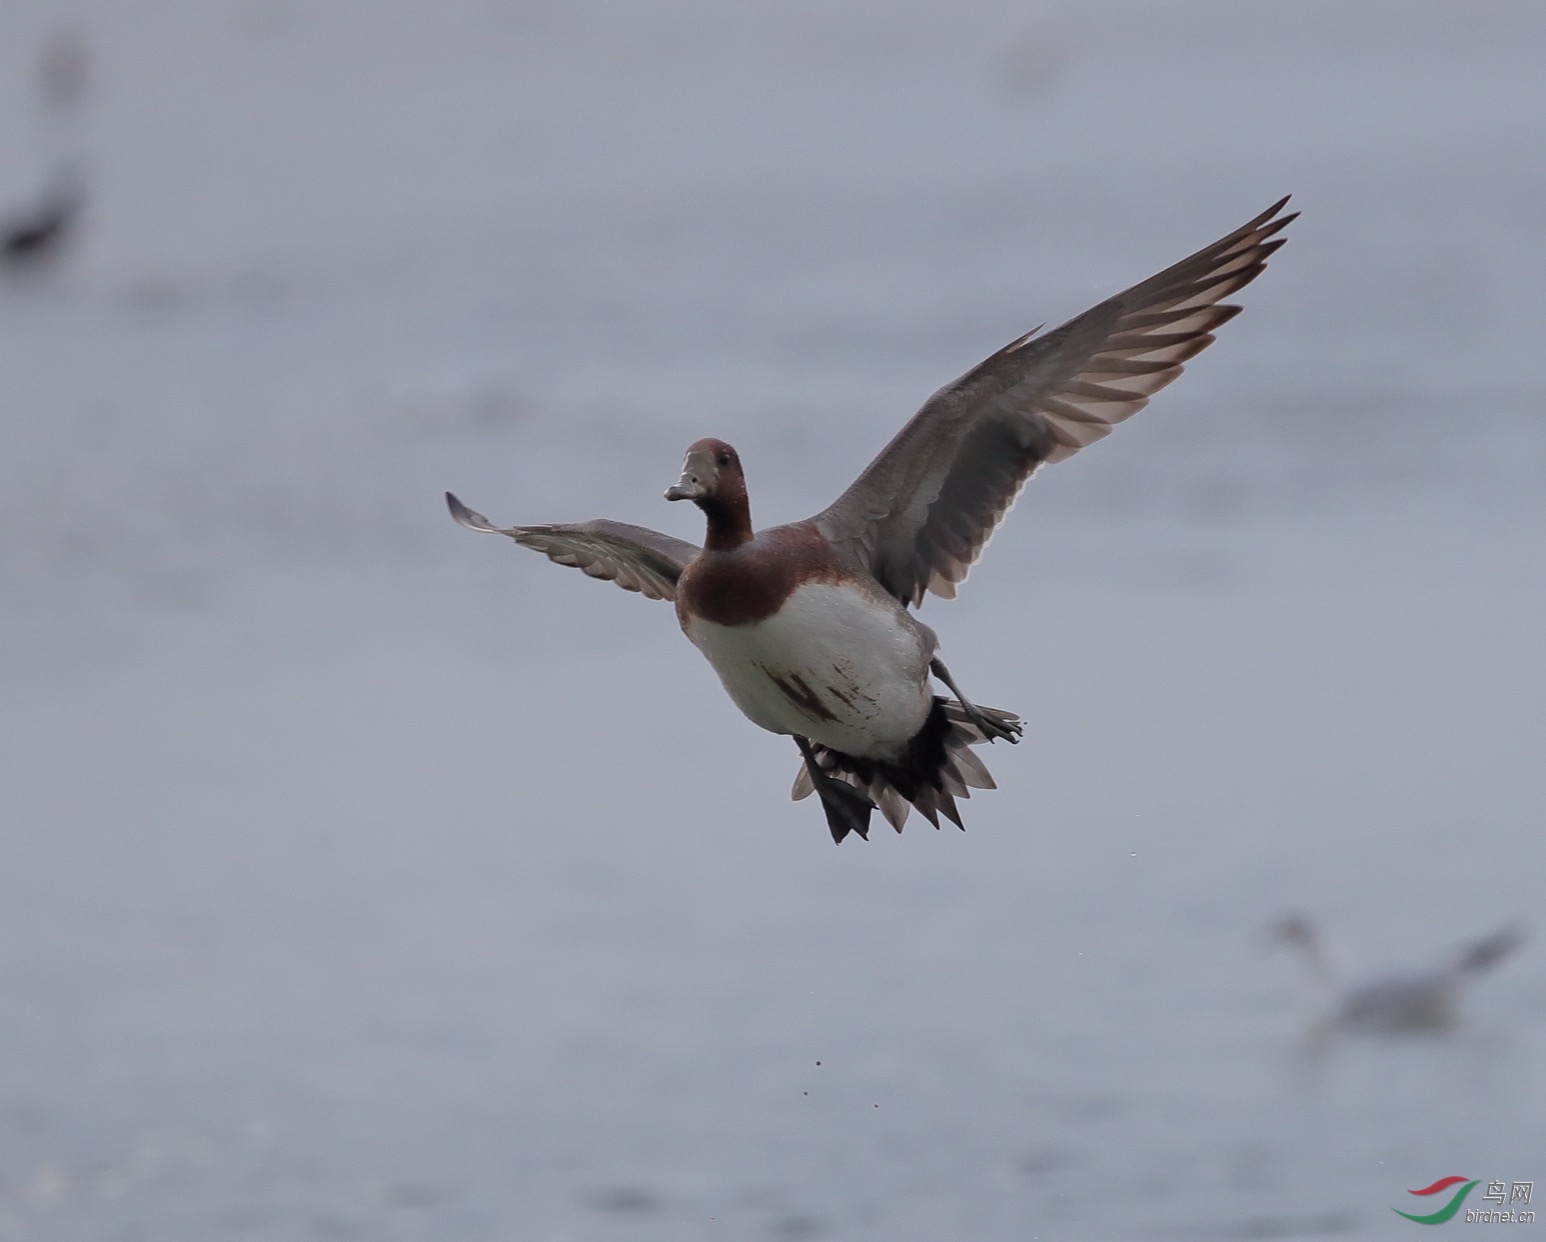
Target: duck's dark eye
[(723, 459)]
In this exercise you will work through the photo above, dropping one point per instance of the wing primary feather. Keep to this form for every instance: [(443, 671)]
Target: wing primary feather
[(634, 557), (920, 514), (469, 518)]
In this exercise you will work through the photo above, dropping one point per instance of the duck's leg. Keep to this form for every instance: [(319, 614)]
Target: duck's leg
[(847, 809), (992, 729)]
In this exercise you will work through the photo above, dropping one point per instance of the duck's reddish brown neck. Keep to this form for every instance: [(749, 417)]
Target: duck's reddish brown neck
[(729, 516)]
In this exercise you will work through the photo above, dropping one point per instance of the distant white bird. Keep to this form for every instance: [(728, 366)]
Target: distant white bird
[(1424, 1000)]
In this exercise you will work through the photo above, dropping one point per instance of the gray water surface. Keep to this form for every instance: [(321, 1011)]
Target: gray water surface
[(363, 878)]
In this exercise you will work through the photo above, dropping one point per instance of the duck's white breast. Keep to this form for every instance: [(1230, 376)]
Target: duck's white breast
[(832, 664)]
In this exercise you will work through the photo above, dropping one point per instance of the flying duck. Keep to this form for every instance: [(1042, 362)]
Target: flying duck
[(808, 624), (1424, 1000)]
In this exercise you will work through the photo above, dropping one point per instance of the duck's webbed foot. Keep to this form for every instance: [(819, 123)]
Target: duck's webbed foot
[(847, 809), (994, 725)]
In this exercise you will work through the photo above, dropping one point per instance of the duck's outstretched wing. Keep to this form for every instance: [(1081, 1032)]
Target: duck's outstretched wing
[(634, 557), (923, 510), (1487, 952)]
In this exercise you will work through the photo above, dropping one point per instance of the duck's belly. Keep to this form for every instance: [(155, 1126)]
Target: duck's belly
[(831, 665)]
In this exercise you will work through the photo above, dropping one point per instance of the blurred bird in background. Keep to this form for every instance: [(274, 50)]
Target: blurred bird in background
[(35, 234), (38, 233), (1414, 1001)]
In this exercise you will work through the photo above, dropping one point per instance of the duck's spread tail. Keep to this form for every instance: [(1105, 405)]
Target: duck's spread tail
[(937, 767)]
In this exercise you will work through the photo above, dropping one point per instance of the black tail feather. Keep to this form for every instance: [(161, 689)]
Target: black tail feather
[(848, 810), (936, 768)]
